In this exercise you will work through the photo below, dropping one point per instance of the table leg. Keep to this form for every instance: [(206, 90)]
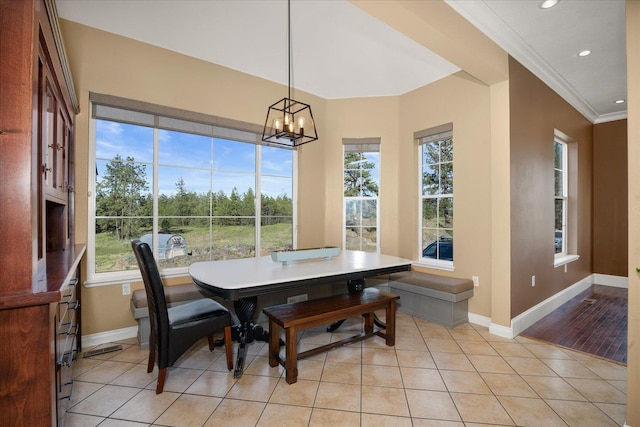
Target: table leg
[(356, 285), (246, 332)]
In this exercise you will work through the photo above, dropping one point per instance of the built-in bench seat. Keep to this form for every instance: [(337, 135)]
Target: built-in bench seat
[(175, 295), (307, 314), (440, 299)]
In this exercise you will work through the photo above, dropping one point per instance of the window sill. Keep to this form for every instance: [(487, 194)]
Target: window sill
[(437, 265), (561, 260), (129, 276)]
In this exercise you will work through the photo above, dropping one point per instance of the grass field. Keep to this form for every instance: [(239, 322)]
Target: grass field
[(228, 242)]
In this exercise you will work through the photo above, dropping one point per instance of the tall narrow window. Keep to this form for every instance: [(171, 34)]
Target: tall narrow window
[(436, 195), (560, 195), (361, 186)]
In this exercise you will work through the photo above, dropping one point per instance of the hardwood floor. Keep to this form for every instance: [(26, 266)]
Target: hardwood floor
[(593, 322)]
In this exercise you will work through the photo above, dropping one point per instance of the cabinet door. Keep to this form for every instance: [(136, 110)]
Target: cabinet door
[(54, 137), (48, 131), (60, 164)]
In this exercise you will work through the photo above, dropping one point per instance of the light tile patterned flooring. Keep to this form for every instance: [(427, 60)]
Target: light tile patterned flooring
[(434, 376)]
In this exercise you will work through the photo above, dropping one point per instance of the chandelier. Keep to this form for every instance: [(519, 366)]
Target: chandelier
[(289, 122)]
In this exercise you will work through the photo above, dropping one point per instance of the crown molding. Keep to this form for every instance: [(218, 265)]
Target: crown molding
[(483, 18), (611, 117)]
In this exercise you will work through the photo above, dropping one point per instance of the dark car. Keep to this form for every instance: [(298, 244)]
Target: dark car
[(558, 241), (446, 250)]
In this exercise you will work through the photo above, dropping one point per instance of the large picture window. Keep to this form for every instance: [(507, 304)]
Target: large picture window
[(193, 190), (436, 195), (361, 187)]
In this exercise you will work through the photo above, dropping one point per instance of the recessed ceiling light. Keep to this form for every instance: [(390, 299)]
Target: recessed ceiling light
[(585, 53), (619, 101), (546, 4)]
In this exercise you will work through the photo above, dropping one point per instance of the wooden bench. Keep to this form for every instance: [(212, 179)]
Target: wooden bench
[(439, 299), (175, 295), (307, 314)]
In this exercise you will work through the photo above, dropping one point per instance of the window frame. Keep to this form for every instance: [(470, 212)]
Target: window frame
[(422, 138), (361, 145), (564, 193), (570, 176), (113, 277)]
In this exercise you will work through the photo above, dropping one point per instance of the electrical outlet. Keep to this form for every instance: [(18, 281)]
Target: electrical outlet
[(297, 298), (476, 281), (533, 281), (126, 288)]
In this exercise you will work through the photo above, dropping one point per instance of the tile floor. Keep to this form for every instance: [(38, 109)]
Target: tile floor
[(434, 376)]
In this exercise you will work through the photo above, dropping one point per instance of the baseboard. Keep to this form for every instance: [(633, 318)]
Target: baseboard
[(537, 312), (501, 331), (109, 336), (609, 280), (494, 329), (477, 319)]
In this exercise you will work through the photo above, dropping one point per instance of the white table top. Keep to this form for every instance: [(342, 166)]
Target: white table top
[(235, 278)]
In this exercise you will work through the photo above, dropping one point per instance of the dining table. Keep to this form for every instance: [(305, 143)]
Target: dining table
[(243, 280)]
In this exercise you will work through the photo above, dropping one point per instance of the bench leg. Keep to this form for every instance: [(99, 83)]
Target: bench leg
[(368, 323), (274, 343), (291, 352), (390, 312)]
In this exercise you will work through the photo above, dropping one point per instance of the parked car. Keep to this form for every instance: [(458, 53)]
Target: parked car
[(558, 241), (169, 245), (446, 250)]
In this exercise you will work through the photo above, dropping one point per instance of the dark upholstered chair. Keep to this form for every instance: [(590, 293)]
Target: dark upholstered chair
[(175, 329)]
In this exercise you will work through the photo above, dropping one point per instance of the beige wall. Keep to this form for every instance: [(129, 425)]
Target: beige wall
[(535, 112), (360, 118), (105, 63), (491, 163), (610, 230), (500, 206), (464, 101), (633, 99)]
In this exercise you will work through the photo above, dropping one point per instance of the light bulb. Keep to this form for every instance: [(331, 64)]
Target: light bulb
[(301, 122), (277, 124)]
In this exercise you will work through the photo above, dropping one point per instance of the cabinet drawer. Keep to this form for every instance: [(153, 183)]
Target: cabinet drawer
[(67, 326)]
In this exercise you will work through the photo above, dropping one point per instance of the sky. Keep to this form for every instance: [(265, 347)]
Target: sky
[(202, 162)]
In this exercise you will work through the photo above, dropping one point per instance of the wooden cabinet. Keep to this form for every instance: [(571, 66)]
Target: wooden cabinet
[(39, 262), (66, 323)]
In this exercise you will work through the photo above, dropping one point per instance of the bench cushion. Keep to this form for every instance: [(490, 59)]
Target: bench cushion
[(451, 285), (173, 294)]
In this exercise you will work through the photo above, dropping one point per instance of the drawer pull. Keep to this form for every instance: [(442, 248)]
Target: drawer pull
[(67, 357)]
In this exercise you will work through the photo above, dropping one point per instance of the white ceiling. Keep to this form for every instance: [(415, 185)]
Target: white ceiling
[(339, 51), (547, 42)]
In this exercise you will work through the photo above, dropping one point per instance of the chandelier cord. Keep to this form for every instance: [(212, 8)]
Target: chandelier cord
[(289, 43)]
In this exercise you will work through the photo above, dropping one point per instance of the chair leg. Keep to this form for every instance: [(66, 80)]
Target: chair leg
[(152, 354), (162, 374), (211, 342), (228, 345)]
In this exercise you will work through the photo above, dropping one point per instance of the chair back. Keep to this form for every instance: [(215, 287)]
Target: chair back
[(156, 301)]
